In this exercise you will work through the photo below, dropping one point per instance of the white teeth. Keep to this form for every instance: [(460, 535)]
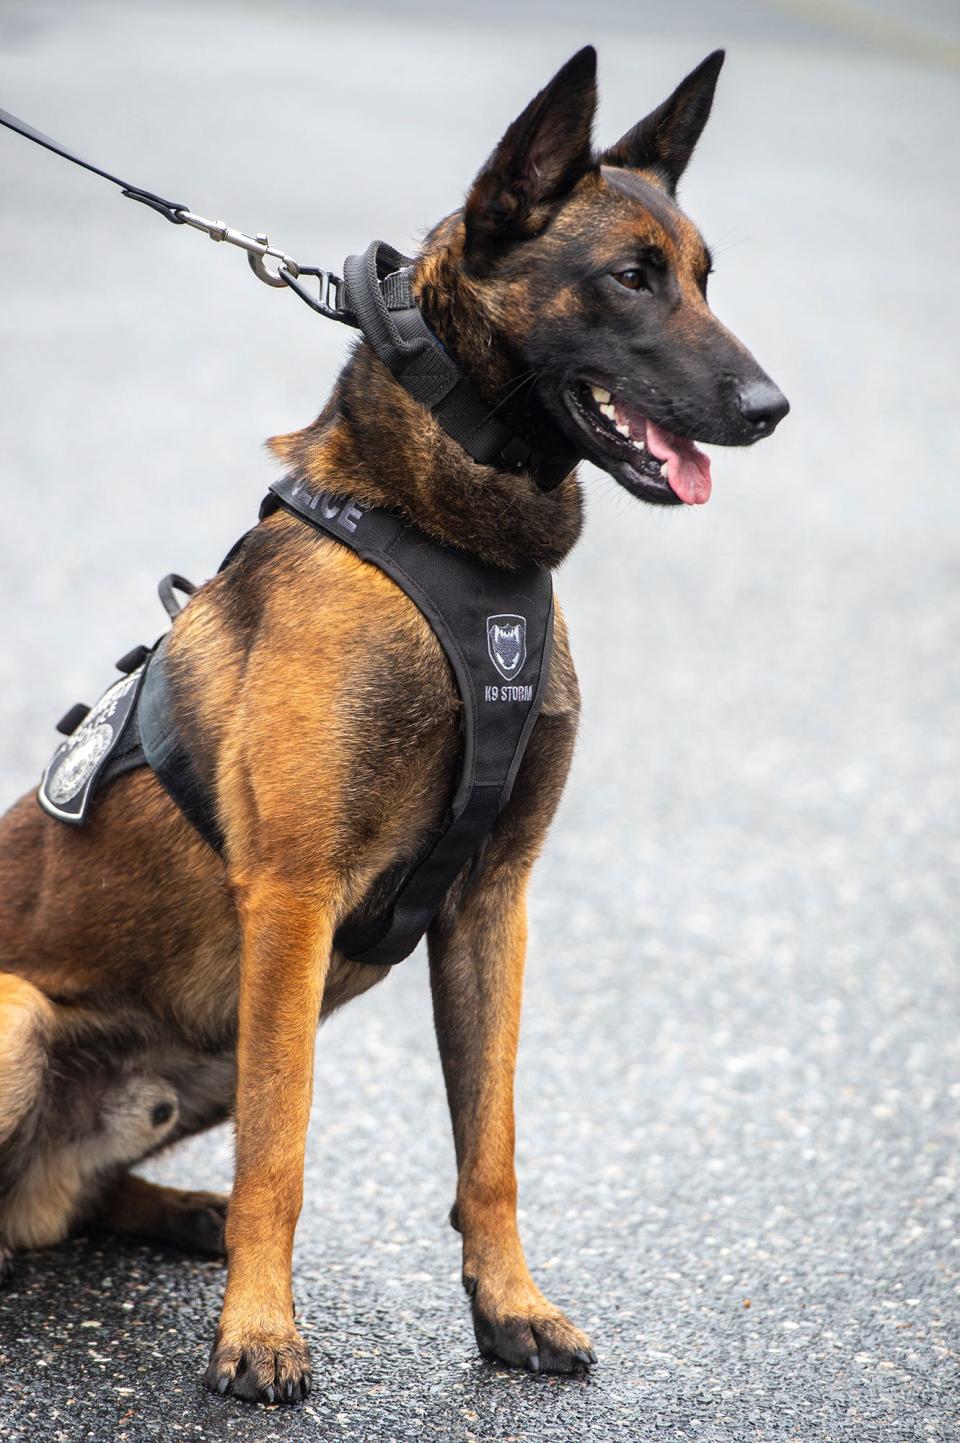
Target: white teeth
[(639, 445), (664, 470), (600, 395), (609, 412), (624, 429)]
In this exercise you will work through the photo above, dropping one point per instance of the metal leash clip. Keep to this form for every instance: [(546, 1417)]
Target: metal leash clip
[(256, 247), (288, 272)]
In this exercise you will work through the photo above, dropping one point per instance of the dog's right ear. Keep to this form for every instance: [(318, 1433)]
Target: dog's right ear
[(543, 154)]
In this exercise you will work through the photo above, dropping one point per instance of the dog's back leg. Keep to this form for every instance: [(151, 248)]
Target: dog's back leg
[(476, 972), (190, 1221), (26, 1021), (69, 1147), (56, 1156)]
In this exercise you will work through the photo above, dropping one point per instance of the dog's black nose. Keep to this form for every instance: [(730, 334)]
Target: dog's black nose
[(762, 404)]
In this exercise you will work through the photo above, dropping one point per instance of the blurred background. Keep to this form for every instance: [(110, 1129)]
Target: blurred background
[(738, 1086)]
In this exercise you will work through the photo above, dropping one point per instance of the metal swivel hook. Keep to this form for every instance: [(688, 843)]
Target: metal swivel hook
[(256, 247), (262, 271)]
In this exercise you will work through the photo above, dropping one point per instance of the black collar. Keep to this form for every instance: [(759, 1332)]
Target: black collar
[(375, 296)]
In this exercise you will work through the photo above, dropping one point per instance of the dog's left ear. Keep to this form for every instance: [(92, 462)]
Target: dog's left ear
[(540, 158), (663, 142)]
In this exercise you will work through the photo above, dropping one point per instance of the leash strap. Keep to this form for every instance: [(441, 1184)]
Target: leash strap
[(171, 209), (257, 247), (375, 297)]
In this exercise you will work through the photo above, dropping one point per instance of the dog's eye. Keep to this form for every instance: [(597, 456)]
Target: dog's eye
[(633, 279)]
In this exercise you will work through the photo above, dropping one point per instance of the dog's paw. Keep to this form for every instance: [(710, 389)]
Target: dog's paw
[(544, 1342), (197, 1221), (6, 1264), (267, 1368)]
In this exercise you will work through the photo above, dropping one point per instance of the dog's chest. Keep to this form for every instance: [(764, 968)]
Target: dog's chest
[(386, 707)]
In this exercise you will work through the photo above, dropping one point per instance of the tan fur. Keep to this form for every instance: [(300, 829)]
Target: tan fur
[(133, 1207), (25, 1020), (54, 1188)]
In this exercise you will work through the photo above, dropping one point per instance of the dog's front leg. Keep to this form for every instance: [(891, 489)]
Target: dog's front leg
[(476, 969), (258, 1353)]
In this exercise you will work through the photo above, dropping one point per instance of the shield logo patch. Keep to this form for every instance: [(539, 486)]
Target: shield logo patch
[(507, 643), (71, 777)]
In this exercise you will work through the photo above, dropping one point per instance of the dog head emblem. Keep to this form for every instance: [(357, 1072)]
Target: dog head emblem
[(507, 643)]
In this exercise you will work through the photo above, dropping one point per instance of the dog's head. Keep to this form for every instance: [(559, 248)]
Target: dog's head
[(573, 286)]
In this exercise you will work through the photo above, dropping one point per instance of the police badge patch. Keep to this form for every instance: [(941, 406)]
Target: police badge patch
[(507, 643), (68, 782)]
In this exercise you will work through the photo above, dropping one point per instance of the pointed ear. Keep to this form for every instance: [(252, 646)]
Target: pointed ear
[(542, 155), (664, 141)]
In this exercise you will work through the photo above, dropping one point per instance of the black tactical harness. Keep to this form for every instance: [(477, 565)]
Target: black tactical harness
[(496, 628)]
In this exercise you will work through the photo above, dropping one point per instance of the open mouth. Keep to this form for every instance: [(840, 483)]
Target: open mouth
[(651, 462)]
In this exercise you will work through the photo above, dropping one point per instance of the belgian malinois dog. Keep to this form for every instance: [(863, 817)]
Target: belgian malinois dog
[(150, 988)]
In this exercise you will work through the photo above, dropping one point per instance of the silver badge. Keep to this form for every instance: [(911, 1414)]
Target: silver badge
[(507, 643), (76, 759)]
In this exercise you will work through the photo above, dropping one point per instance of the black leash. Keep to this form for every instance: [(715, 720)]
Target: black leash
[(169, 208), (256, 247), (375, 297)]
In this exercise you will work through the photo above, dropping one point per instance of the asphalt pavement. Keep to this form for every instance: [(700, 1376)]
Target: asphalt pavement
[(739, 1086)]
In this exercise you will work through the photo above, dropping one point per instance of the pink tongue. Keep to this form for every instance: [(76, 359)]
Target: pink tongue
[(688, 469)]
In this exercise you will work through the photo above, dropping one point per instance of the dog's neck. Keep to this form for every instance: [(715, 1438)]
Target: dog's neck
[(376, 443)]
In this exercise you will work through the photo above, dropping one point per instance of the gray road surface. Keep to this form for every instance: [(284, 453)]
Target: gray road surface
[(739, 1084)]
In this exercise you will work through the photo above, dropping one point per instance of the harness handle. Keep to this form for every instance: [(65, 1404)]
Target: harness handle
[(166, 589)]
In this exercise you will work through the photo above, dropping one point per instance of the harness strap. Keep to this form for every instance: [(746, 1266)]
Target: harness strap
[(166, 754), (464, 601)]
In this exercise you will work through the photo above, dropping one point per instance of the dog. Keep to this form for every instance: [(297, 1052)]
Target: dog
[(150, 987)]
